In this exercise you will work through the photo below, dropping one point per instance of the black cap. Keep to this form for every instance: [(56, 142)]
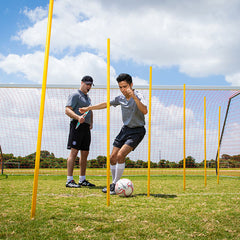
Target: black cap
[(88, 80)]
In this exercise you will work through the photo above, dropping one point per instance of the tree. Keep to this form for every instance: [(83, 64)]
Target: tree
[(102, 161), (162, 163), (190, 162), (129, 163), (139, 164), (173, 165)]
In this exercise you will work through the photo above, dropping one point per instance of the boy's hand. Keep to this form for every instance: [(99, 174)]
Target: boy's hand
[(130, 92), (83, 110)]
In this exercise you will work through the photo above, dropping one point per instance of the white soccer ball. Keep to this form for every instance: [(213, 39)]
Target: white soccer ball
[(124, 187)]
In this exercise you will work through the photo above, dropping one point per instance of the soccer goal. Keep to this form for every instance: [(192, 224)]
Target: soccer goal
[(1, 160), (230, 136), (19, 105)]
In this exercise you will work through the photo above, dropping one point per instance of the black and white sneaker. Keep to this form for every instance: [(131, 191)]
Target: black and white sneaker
[(112, 189), (86, 183), (72, 184)]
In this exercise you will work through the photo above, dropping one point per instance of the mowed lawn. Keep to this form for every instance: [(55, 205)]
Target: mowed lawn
[(199, 212), (129, 171)]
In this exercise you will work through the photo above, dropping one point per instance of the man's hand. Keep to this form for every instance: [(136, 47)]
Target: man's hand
[(81, 118)]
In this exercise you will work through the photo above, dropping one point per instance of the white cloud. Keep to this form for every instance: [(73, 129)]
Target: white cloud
[(139, 81), (68, 70), (30, 65), (36, 14), (200, 37), (234, 79), (33, 36)]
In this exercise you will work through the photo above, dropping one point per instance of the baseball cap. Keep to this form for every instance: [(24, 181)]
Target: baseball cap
[(88, 80)]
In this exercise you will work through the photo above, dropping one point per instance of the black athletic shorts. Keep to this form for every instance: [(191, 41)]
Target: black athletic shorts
[(79, 138), (129, 136)]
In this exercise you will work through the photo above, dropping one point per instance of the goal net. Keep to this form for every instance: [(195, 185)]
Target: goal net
[(230, 136), (19, 106)]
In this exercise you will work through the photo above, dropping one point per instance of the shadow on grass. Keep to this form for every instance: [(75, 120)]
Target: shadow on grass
[(156, 195)]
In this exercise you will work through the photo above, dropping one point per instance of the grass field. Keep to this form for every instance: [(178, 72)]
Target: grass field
[(199, 212), (129, 171)]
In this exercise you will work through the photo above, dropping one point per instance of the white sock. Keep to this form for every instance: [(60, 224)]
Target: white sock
[(69, 178), (113, 170), (119, 172), (82, 178)]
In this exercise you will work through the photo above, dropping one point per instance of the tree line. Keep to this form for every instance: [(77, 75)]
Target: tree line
[(48, 160)]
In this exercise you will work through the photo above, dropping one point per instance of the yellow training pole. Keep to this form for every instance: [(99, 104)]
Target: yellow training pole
[(108, 122), (219, 126), (40, 126), (149, 129), (205, 145), (184, 137)]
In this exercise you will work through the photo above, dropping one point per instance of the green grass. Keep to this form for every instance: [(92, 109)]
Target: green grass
[(199, 212), (128, 171)]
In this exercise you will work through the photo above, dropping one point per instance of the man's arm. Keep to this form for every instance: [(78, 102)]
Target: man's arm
[(69, 111), (94, 107), (91, 125)]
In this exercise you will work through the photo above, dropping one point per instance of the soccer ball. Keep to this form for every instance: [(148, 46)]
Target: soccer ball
[(124, 187)]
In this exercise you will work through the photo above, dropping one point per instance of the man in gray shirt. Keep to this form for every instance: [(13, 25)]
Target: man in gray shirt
[(79, 133), (133, 110)]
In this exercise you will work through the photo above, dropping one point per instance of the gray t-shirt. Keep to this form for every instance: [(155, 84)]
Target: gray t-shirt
[(78, 100), (131, 115)]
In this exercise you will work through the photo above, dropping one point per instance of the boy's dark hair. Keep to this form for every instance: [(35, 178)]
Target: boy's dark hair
[(124, 77)]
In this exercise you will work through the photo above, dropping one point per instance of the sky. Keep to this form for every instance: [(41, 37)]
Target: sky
[(186, 42)]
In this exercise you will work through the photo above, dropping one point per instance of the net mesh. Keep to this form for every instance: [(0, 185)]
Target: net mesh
[(230, 141), (20, 117)]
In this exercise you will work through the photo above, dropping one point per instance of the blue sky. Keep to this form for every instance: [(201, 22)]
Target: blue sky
[(191, 42), (195, 42)]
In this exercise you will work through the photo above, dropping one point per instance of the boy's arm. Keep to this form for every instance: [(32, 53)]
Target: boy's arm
[(140, 105), (94, 107)]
